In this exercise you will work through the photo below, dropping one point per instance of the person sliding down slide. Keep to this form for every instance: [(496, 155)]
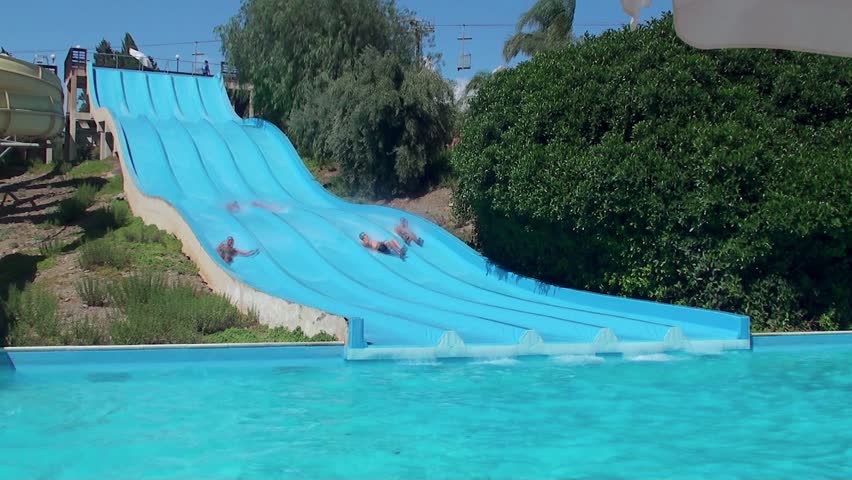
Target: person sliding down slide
[(234, 207), (406, 234), (382, 247), (227, 251)]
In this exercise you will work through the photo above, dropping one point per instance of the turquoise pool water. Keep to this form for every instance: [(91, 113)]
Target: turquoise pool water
[(731, 416)]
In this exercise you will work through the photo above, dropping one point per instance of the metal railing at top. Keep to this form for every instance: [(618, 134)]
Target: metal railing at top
[(166, 65)]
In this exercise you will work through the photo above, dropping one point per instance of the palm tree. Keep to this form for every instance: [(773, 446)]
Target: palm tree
[(550, 23)]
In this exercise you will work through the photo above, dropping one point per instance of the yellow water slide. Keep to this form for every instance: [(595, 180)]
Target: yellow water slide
[(30, 100)]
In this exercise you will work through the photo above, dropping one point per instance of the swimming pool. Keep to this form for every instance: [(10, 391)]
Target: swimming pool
[(735, 415)]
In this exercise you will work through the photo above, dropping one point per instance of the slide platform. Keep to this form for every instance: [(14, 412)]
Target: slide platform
[(182, 144)]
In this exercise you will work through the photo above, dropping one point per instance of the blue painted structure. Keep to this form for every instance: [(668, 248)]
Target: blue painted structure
[(6, 361), (801, 341), (182, 142), (153, 356)]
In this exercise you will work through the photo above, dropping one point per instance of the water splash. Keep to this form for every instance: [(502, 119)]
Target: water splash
[(579, 359)]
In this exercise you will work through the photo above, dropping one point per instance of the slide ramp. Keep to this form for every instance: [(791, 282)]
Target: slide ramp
[(183, 147)]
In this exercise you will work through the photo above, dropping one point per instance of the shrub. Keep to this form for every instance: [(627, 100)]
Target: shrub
[(214, 313), (74, 207), (113, 186), (159, 311), (141, 233), (120, 212), (31, 312), (633, 164), (49, 248), (92, 291), (84, 331), (265, 334), (152, 323), (103, 253), (137, 289), (384, 122), (90, 168)]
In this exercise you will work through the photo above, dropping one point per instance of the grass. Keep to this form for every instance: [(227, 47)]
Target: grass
[(138, 288), (49, 248), (137, 232), (32, 314), (113, 186), (46, 263), (92, 291), (74, 207), (143, 307), (103, 253), (84, 331), (114, 216), (90, 168), (158, 311), (264, 334)]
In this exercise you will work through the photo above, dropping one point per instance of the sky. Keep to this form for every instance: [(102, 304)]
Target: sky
[(52, 26)]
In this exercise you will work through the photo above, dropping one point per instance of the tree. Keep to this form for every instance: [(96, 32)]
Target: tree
[(125, 60), (83, 102), (290, 50), (636, 165), (104, 54), (4, 52), (546, 26), (386, 124)]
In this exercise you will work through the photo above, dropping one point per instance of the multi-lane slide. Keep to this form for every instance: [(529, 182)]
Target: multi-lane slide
[(182, 143)]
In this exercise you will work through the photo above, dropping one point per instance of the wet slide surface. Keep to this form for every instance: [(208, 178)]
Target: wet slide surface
[(183, 143)]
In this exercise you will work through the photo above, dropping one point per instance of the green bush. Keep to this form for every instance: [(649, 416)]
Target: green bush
[(69, 210), (152, 323), (74, 207), (84, 331), (141, 233), (32, 315), (633, 164), (159, 311), (385, 123), (92, 291), (103, 253), (50, 248), (90, 168), (113, 186), (137, 289), (262, 334), (121, 214)]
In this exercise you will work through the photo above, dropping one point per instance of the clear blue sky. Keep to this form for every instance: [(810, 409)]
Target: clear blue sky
[(84, 22)]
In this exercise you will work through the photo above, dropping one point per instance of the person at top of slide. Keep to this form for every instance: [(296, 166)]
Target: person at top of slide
[(385, 247), (227, 251), (406, 234)]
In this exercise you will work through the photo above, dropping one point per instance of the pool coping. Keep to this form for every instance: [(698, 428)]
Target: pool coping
[(169, 346), (310, 352), (775, 334)]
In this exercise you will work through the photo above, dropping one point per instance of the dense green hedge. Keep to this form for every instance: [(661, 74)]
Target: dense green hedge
[(633, 164)]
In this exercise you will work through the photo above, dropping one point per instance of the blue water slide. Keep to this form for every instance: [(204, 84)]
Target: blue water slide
[(182, 143)]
